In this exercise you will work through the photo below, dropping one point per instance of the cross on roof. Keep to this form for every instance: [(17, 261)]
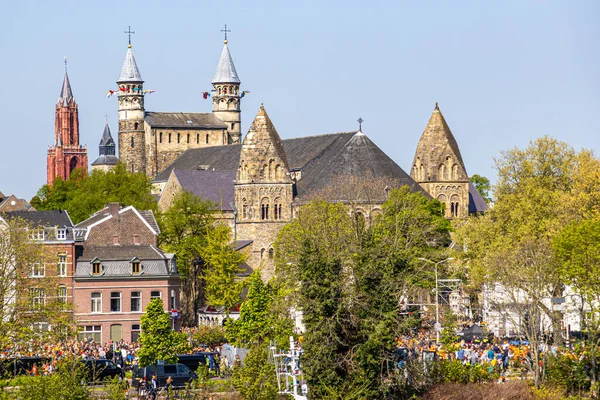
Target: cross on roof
[(360, 121), (129, 32), (225, 30)]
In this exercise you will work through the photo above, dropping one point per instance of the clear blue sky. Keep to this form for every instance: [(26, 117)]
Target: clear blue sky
[(504, 72)]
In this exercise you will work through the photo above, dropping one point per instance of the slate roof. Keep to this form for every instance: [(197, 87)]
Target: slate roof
[(240, 244), (477, 203), (66, 95), (216, 186), (107, 139), (49, 218), (116, 260), (226, 72), (130, 71), (106, 160), (183, 120), (320, 158)]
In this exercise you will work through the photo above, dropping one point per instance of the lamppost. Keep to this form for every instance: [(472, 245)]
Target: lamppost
[(437, 301)]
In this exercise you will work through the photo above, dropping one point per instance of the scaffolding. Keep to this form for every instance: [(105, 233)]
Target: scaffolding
[(287, 368)]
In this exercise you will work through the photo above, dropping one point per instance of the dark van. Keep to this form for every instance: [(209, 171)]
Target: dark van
[(98, 370), (180, 373), (193, 361)]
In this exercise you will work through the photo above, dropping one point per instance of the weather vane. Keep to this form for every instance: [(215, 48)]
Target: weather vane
[(360, 121)]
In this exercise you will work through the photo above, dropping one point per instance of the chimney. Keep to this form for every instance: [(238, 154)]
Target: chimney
[(113, 209)]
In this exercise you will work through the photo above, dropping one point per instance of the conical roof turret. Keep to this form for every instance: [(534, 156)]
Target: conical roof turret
[(66, 95), (107, 139), (130, 71), (438, 152), (262, 156), (226, 72)]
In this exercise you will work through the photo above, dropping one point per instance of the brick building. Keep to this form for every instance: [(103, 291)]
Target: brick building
[(119, 270), (66, 154)]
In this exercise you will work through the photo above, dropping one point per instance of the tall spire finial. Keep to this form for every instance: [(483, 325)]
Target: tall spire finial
[(225, 30), (65, 64), (436, 106), (129, 32), (360, 121), (106, 116)]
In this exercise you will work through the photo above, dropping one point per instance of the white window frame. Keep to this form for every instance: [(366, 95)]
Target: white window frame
[(156, 297), (62, 265), (37, 234), (38, 297), (62, 294), (116, 298), (139, 297), (61, 234), (91, 331), (95, 303), (38, 270)]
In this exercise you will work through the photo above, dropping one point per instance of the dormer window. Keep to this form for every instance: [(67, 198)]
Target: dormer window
[(96, 267), (61, 234), (37, 234), (136, 266)]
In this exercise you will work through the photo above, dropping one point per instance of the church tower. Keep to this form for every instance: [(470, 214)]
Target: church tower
[(263, 191), (132, 146), (66, 154), (226, 94), (107, 158), (439, 169)]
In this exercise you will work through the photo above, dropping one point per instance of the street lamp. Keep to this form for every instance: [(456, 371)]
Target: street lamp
[(437, 302)]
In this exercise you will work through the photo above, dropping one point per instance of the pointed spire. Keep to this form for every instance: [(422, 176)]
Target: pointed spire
[(226, 72), (130, 71), (66, 95), (262, 151), (59, 141), (438, 147), (107, 144)]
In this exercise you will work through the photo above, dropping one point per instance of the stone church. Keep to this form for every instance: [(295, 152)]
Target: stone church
[(260, 183)]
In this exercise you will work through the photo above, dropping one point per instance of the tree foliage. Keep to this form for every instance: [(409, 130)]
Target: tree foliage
[(82, 195), (24, 300), (483, 186), (352, 277), (157, 340)]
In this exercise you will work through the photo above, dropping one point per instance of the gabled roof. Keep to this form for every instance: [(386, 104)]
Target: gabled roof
[(183, 120), (226, 72), (48, 218), (104, 214), (130, 71), (216, 186), (66, 95), (437, 142), (12, 203)]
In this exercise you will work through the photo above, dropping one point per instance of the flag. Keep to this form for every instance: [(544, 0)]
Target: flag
[(149, 91), (122, 89), (136, 89), (110, 93), (245, 92), (206, 95)]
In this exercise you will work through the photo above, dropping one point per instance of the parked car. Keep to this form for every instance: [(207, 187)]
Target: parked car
[(98, 370), (180, 374), (193, 361)]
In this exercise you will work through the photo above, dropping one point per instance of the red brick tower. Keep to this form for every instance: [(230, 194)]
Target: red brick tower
[(66, 154)]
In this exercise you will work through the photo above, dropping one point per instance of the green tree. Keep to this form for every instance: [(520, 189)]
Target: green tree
[(483, 186), (157, 340), (220, 273), (184, 228), (257, 326), (578, 250), (83, 195)]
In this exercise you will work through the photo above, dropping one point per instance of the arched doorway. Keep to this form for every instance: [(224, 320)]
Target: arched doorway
[(74, 163)]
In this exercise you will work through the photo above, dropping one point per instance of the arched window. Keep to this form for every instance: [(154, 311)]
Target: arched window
[(264, 209), (219, 88), (74, 163), (277, 208), (421, 173), (244, 209), (225, 90), (455, 172), (262, 253), (442, 172), (271, 252), (135, 126), (132, 142)]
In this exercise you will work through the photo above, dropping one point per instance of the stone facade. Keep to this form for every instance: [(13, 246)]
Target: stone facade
[(263, 192), (439, 169)]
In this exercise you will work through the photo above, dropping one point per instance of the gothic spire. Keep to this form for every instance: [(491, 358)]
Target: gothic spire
[(107, 144), (226, 72), (130, 71), (66, 95)]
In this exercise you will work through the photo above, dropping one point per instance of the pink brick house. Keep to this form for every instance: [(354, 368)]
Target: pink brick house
[(118, 271)]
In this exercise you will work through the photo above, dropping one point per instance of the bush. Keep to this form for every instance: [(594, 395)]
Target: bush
[(456, 372), (208, 335)]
